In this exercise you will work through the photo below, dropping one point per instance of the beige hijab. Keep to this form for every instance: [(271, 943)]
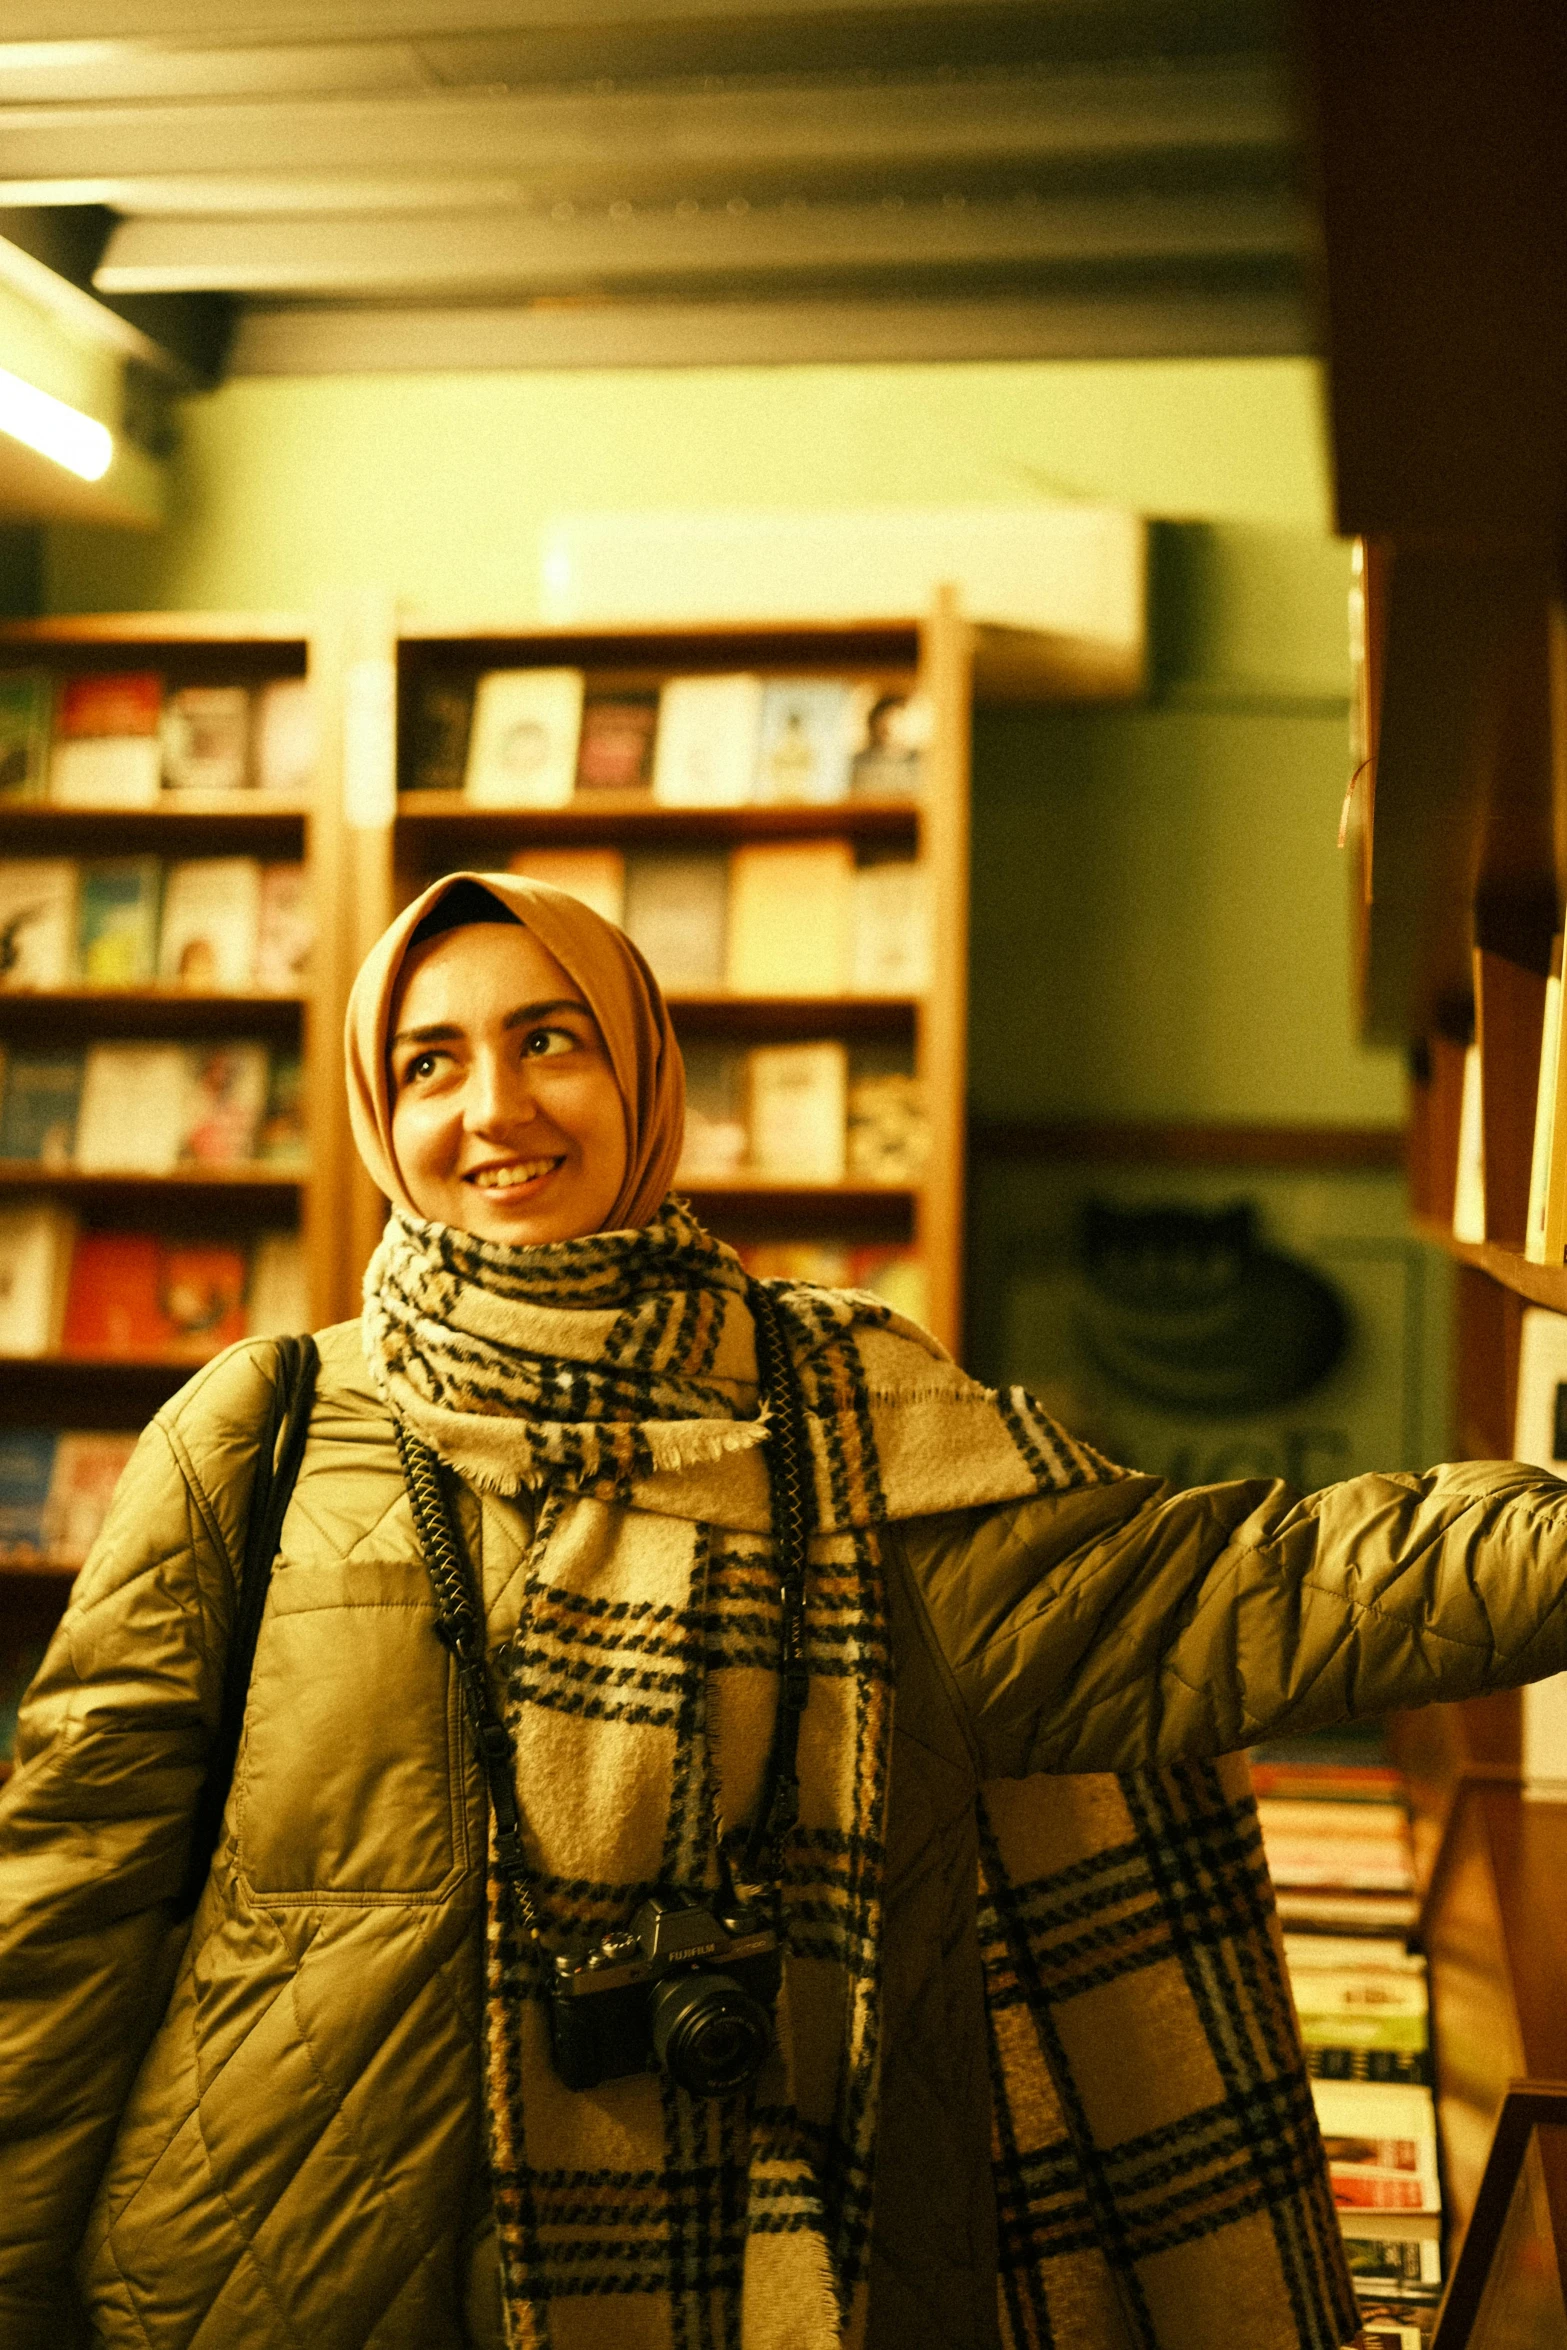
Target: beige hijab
[(618, 989)]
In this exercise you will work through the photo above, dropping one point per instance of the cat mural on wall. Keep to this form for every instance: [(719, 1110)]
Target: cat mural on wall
[(1190, 1310)]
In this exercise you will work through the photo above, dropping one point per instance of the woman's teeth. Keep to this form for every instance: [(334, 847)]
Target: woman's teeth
[(507, 1178)]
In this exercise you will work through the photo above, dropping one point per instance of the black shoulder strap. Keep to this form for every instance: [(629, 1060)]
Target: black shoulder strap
[(280, 1447), (793, 1495)]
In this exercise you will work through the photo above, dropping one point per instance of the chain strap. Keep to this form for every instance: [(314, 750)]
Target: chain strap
[(460, 1623)]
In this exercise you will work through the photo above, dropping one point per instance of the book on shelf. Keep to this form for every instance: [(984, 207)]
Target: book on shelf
[(26, 723), (677, 915), (282, 1140), (1540, 1417), (1545, 1226), (888, 760), (888, 1137), (211, 924), (225, 1098), (717, 1134), (596, 876), (40, 1097), (206, 738), (437, 721), (117, 921), (26, 1472), (277, 1303), (1380, 2141), (805, 740), (522, 752), (615, 750), (107, 746), (705, 752), (890, 928), (789, 917), (88, 1464), (37, 922), (1361, 1847), (285, 930), (133, 1109), (897, 1276), (35, 1250), (1469, 1194), (798, 1104), (286, 744), (141, 1296)]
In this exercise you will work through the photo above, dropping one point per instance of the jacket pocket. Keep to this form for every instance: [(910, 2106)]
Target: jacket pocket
[(348, 1785)]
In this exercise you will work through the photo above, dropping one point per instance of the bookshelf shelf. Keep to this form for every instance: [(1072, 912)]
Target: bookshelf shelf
[(85, 1391), (31, 1175), (1541, 1285), (91, 1012), (794, 1015), (200, 824), (638, 820)]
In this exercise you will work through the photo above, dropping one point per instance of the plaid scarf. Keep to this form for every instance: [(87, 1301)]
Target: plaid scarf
[(1140, 2202)]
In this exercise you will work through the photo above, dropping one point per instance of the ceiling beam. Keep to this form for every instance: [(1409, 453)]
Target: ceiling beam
[(190, 22), (475, 253), (49, 256), (1181, 323), (544, 140)]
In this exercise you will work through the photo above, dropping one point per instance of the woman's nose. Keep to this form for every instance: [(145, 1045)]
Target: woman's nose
[(500, 1094)]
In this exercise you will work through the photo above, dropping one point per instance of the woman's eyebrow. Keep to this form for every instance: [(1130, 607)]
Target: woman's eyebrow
[(437, 1033), (529, 1012)]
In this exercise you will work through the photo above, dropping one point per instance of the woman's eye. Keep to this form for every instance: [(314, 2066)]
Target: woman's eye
[(423, 1065), (543, 1041)]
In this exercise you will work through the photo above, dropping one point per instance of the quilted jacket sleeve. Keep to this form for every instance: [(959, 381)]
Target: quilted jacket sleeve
[(1122, 1625), (95, 1825)]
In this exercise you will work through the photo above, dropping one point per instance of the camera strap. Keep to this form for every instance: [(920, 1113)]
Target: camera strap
[(460, 1623)]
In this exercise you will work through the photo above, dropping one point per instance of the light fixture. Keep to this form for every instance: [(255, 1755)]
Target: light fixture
[(80, 443)]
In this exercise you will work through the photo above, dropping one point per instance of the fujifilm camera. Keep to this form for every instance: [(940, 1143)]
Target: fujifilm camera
[(680, 1988)]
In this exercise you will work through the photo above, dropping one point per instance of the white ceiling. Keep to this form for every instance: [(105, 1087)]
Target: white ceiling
[(272, 184)]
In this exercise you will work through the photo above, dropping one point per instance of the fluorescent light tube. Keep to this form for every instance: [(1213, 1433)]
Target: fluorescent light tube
[(80, 443)]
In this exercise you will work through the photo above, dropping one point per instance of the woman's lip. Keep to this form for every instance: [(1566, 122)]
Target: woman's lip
[(521, 1188)]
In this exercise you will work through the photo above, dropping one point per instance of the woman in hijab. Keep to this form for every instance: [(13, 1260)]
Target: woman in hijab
[(731, 1845)]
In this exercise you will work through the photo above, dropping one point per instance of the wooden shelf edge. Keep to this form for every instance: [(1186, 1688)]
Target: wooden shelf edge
[(429, 628), (210, 807), (32, 1175), (611, 809), (1542, 1285), (160, 628), (783, 1187), (152, 1000)]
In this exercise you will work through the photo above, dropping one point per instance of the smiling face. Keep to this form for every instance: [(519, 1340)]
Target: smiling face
[(506, 1118)]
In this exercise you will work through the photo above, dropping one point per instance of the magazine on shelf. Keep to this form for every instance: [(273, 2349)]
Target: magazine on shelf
[(596, 876), (87, 1467), (437, 721), (225, 1100), (798, 1097), (206, 738), (677, 914), (615, 751), (888, 1131), (282, 1140), (136, 1296), (132, 1115), (789, 917), (35, 1251), (705, 754), (888, 760), (522, 752), (285, 737), (277, 1303), (26, 724), (890, 928), (211, 924), (37, 922), (805, 740), (717, 1135), (107, 748), (26, 1471), (285, 930), (117, 909), (40, 1096)]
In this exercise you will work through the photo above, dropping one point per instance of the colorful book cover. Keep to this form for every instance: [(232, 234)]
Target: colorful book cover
[(107, 752), (206, 738), (717, 1137), (677, 914), (87, 1468), (805, 741), (134, 1297), (117, 922), (704, 755), (26, 715), (285, 737), (790, 909), (890, 952), (282, 1140), (615, 749), (38, 1107), (37, 922), (523, 748), (437, 721), (211, 924), (225, 1101), (888, 759), (798, 1104), (35, 1250), (132, 1115), (286, 930), (26, 1467), (596, 876)]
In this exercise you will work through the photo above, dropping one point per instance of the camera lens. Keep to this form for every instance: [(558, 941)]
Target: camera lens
[(709, 2035)]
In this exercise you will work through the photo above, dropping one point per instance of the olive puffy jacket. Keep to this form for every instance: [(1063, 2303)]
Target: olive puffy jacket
[(263, 2131)]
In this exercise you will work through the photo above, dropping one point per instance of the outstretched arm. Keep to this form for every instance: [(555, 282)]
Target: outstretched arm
[(1123, 1625)]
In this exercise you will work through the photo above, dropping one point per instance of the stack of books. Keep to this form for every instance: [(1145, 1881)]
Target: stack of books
[(539, 738), (123, 738), (215, 925), (786, 918), (801, 1113), (151, 1108), (140, 1296), (1335, 1828)]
